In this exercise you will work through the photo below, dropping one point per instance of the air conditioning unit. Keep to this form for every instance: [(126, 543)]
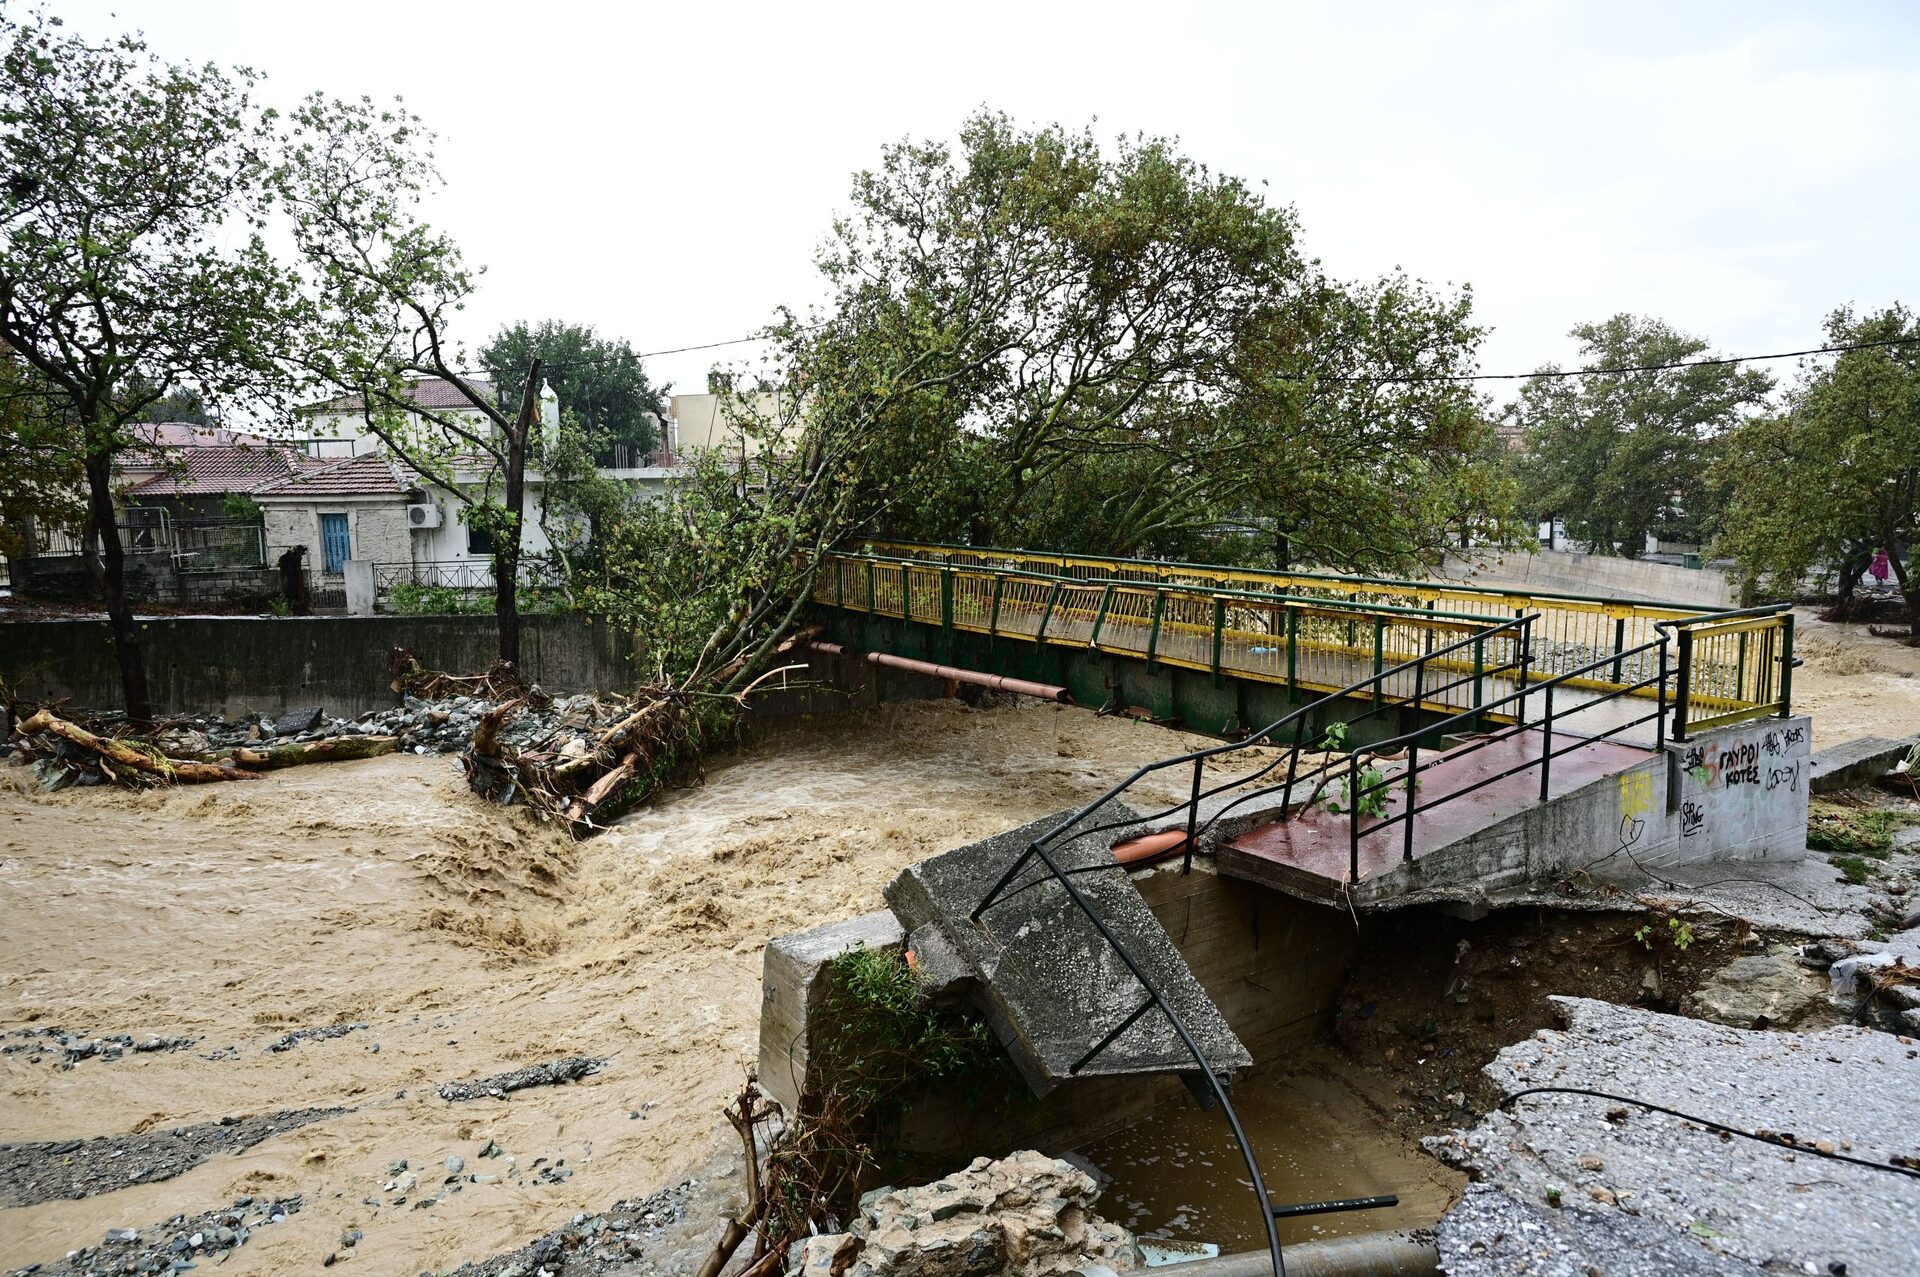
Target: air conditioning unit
[(425, 515)]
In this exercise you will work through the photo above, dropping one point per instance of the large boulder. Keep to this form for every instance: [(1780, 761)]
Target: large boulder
[(1026, 1215), (1761, 991)]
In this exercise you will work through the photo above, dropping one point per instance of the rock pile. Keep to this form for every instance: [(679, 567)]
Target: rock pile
[(1026, 1215), (181, 1243)]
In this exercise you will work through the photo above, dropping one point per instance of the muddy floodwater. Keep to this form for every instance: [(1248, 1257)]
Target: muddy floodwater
[(1179, 1175), (440, 940)]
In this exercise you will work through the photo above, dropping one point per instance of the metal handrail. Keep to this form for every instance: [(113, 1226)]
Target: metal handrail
[(1040, 847), (1411, 740), (1222, 570), (1210, 591)]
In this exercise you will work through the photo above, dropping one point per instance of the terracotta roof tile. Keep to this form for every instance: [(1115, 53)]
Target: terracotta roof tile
[(215, 470), (428, 392), (371, 474)]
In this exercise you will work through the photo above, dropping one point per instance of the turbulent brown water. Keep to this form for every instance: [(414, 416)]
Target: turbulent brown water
[(469, 941), (1180, 1174)]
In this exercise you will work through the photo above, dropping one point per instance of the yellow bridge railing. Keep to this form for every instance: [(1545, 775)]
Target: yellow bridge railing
[(1320, 631)]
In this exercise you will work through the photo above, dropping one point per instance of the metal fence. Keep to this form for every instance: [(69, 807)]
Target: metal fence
[(1572, 634), (1318, 631)]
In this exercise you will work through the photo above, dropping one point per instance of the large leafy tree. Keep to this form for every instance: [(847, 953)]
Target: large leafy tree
[(41, 479), (1836, 477), (381, 289), (600, 383), (1621, 455), (132, 261), (1155, 365)]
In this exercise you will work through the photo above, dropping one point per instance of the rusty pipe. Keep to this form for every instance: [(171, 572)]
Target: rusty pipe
[(998, 682)]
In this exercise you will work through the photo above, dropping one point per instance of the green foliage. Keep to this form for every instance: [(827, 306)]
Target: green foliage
[(1837, 475), (181, 404), (1678, 933), (1860, 831), (599, 382), (881, 1037), (893, 1035), (410, 599), (1373, 794), (1623, 455), (133, 260), (240, 507), (1854, 869), (1130, 355), (279, 606)]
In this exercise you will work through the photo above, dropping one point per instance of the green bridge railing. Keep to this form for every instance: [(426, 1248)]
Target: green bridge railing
[(1321, 633)]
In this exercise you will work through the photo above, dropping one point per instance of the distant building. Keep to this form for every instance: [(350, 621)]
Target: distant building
[(703, 423), (337, 427)]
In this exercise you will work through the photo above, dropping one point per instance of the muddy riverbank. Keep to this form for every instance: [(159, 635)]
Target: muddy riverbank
[(468, 942)]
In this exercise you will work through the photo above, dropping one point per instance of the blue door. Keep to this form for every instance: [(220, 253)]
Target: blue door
[(333, 540)]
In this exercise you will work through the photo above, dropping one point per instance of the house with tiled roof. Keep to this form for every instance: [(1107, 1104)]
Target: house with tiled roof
[(375, 507)]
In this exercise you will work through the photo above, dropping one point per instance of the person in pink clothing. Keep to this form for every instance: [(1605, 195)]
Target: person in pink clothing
[(1878, 569)]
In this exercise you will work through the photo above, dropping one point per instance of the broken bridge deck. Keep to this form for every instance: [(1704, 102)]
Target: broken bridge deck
[(1310, 855)]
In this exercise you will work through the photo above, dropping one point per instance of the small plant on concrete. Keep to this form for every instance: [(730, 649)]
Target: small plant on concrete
[(279, 606), (1854, 869), (1852, 830), (1679, 934)]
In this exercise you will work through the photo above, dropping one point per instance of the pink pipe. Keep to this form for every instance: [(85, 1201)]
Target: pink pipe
[(998, 682)]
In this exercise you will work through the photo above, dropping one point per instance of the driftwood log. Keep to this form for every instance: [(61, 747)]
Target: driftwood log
[(120, 753), (331, 750)]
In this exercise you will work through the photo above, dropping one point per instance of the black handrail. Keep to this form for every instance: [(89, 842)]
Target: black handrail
[(1039, 847), (1547, 753)]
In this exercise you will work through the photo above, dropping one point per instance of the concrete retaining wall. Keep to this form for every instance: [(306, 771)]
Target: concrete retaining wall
[(238, 664), (1272, 964), (1561, 572), (1738, 793)]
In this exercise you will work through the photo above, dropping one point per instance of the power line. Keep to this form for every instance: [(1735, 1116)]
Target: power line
[(1781, 1139), (1627, 368), (1409, 379)]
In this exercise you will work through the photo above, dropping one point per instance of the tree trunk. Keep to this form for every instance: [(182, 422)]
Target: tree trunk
[(506, 548), (333, 749), (125, 755), (113, 587)]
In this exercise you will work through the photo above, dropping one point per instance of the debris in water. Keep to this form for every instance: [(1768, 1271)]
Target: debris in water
[(552, 1073)]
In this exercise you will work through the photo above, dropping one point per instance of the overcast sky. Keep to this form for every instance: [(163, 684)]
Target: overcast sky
[(665, 172)]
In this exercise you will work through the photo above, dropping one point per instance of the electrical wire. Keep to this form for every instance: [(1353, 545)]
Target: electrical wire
[(1778, 1141), (1402, 380), (1717, 362)]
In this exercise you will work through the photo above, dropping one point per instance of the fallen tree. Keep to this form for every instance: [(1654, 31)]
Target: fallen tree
[(143, 763), (138, 761)]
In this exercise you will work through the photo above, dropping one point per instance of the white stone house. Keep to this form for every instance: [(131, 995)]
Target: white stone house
[(375, 508), (337, 428)]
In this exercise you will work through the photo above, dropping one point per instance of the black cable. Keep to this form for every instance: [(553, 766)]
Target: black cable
[(1716, 362), (1779, 1141)]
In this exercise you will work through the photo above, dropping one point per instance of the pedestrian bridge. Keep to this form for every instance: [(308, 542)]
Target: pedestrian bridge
[(1390, 743), (1127, 635), (1387, 733)]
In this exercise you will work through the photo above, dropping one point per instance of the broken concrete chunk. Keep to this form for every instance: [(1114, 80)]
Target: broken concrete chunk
[(295, 721), (1764, 990)]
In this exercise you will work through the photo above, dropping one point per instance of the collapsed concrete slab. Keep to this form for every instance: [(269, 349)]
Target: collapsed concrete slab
[(1043, 976), (1856, 762), (1600, 1183)]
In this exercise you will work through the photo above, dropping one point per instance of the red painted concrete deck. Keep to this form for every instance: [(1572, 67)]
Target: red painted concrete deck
[(1309, 855)]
